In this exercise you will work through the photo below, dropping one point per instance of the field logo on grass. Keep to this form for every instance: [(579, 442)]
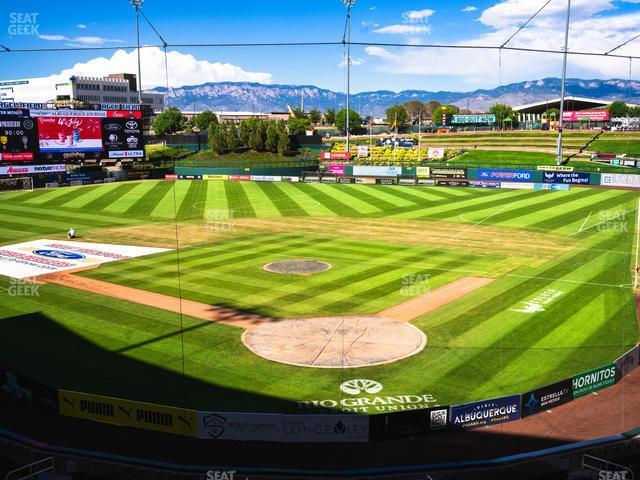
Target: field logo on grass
[(22, 288), (614, 221), (363, 399), (219, 221), (414, 284), (361, 385), (537, 304)]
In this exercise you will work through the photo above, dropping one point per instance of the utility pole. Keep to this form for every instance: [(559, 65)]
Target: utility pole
[(138, 4), (564, 79)]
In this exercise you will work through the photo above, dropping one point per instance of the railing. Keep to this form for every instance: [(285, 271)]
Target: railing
[(32, 470), (595, 464)]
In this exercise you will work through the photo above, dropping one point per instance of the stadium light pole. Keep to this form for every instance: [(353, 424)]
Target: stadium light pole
[(349, 4), (564, 79), (138, 5)]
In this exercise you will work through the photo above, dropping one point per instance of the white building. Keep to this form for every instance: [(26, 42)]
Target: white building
[(115, 88)]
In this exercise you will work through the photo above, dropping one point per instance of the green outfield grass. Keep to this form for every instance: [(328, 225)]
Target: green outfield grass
[(579, 243)]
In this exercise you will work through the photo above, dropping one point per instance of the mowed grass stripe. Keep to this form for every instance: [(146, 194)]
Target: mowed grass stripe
[(305, 200), (110, 196), (415, 211), (262, 204), (172, 201), (281, 200), (336, 206), (193, 201), (145, 204), (376, 201), (216, 196), (406, 194), (238, 201)]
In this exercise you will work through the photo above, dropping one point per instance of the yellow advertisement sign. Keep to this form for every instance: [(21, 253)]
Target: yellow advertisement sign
[(215, 177), (555, 168), (422, 171), (128, 413)]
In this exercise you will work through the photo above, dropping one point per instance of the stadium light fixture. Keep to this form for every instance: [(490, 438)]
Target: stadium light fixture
[(346, 39), (137, 4)]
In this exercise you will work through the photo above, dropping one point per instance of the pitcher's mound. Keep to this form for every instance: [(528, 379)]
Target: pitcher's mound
[(297, 267), (335, 342)]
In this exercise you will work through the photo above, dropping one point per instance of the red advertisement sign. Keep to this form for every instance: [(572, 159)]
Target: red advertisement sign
[(335, 156), (591, 115), (69, 130), (16, 157), (124, 114), (239, 177)]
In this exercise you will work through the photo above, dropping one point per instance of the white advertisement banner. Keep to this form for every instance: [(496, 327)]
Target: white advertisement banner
[(325, 428), (372, 171), (363, 151), (517, 185), (28, 169), (265, 178), (620, 180), (436, 153), (126, 153), (39, 257), (240, 426)]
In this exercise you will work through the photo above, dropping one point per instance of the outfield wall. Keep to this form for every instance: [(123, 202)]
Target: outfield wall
[(315, 427)]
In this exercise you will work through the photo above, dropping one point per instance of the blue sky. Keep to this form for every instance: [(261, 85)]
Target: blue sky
[(597, 25)]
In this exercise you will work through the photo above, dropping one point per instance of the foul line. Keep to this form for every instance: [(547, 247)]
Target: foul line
[(585, 222)]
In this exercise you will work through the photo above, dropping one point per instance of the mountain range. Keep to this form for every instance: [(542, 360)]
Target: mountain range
[(257, 97)]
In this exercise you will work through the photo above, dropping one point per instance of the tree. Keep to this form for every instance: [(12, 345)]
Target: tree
[(204, 119), (244, 131), (397, 117), (298, 126), (503, 113), (232, 139), (330, 116), (315, 116), (431, 106), (169, 121), (256, 140), (271, 143), (414, 109), (450, 111), (355, 122), (618, 109), (284, 144), (634, 111), (217, 140), (298, 113)]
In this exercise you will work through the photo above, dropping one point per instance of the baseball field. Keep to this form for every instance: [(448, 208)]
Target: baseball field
[(530, 287)]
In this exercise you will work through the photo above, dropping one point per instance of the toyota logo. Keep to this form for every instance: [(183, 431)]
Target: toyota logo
[(132, 125)]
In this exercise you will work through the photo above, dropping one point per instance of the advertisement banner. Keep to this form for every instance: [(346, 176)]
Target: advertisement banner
[(594, 380), (408, 423), (422, 171), (453, 183), (435, 153), (215, 177), (30, 169), (620, 180), (483, 184), (39, 257), (627, 362), (470, 119), (69, 131), (425, 182), (582, 115), (266, 178), (486, 412), (517, 186), (574, 178), (555, 168), (407, 181), (122, 138), (545, 398), (128, 413), (505, 175), (309, 179), (260, 427), (325, 428), (335, 156), (551, 186), (373, 171), (137, 114), (171, 176), (28, 390), (291, 179), (346, 180), (337, 170), (329, 180), (366, 181), (239, 177), (446, 172), (18, 136), (363, 151), (386, 181)]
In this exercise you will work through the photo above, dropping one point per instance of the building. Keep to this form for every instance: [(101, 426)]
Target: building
[(118, 88), (237, 117), (533, 115)]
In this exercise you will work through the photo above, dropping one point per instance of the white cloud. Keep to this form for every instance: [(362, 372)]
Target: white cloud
[(354, 62), (470, 8), (404, 29), (418, 15), (184, 69), (81, 26), (85, 40), (595, 26)]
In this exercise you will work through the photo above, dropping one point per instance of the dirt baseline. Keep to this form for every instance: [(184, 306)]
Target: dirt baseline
[(322, 342)]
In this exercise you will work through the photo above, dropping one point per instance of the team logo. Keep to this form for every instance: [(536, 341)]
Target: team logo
[(361, 385), (529, 307), (113, 137), (59, 254), (215, 425)]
